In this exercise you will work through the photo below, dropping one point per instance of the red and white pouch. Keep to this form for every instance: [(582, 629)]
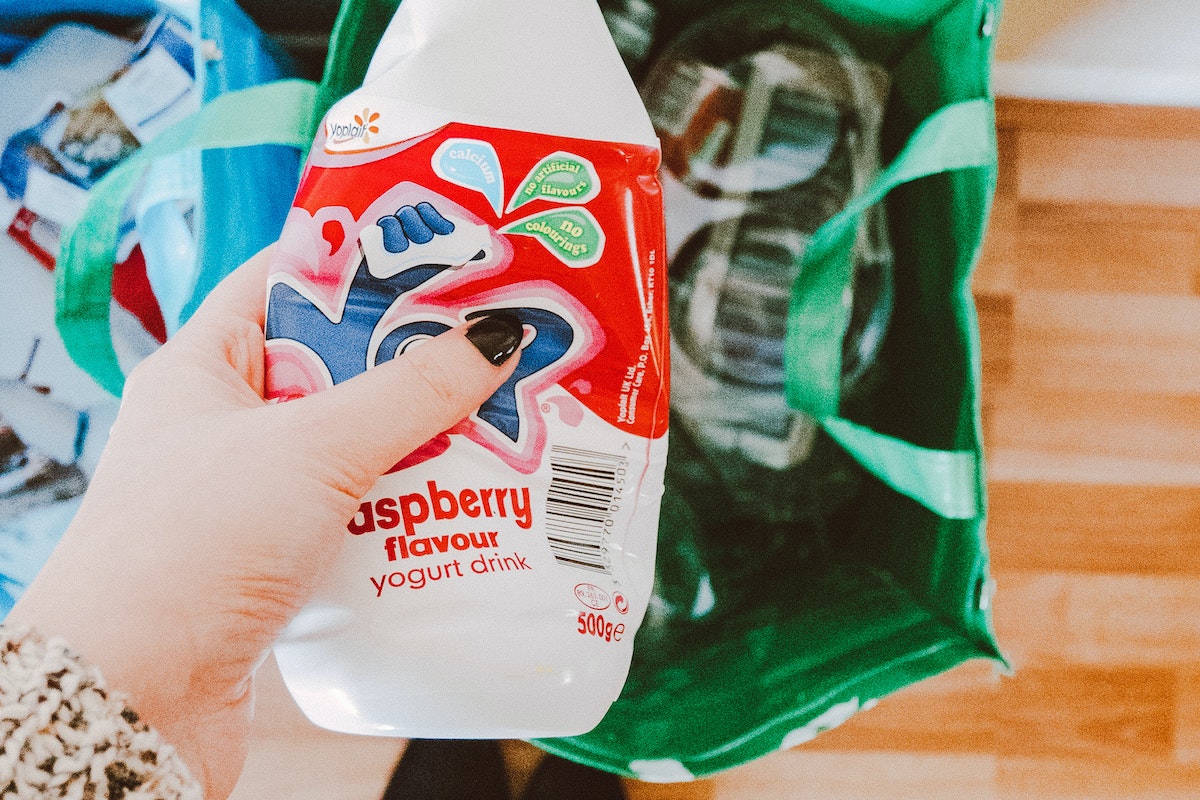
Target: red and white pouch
[(497, 157)]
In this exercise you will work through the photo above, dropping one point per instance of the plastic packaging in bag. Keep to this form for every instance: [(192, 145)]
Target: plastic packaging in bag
[(497, 158), (770, 125)]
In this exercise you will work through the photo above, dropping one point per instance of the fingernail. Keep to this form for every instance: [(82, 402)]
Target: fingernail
[(497, 336)]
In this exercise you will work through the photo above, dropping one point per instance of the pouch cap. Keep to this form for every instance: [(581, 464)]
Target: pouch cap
[(480, 72)]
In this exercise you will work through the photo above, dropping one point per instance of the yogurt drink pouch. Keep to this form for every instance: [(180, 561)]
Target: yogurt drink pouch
[(496, 158)]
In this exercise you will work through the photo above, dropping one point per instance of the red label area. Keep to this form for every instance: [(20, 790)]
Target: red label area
[(530, 201)]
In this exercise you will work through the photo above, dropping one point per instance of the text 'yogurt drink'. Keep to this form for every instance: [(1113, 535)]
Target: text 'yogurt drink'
[(496, 158)]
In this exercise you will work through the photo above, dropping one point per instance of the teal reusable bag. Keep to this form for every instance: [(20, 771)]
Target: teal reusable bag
[(233, 218), (250, 125)]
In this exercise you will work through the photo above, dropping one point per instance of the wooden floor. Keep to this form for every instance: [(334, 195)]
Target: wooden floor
[(1089, 299)]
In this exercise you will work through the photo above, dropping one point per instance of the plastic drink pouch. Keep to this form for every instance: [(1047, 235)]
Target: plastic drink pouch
[(497, 157)]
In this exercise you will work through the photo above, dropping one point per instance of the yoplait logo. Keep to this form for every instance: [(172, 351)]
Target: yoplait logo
[(362, 128), (405, 259)]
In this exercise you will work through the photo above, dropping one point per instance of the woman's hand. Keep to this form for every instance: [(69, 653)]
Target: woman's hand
[(213, 516)]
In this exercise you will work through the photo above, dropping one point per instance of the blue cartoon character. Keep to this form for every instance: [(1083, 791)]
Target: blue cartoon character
[(421, 236)]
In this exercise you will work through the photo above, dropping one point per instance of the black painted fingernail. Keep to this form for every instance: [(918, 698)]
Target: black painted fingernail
[(497, 335)]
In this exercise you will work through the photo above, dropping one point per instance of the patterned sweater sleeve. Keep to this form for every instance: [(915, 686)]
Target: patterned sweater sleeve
[(65, 735)]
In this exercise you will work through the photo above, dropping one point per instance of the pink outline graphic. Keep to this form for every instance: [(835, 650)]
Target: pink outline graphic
[(308, 261)]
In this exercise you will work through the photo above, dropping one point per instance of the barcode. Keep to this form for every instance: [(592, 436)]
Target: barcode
[(584, 495)]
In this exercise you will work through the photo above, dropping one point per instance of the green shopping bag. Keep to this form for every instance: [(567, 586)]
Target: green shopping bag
[(865, 568), (785, 636)]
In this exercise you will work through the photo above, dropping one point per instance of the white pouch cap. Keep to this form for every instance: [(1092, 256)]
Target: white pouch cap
[(479, 72)]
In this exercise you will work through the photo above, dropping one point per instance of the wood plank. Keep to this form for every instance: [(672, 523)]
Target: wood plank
[(1054, 619), (1089, 247), (1008, 156), (696, 790), (1125, 778), (1078, 167), (960, 721), (1014, 464), (1149, 530), (1070, 712), (949, 713), (1117, 249), (996, 327), (1026, 24), (993, 271), (1024, 114), (1097, 342), (1187, 717), (1106, 423), (1099, 713), (348, 768), (1141, 217), (800, 774)]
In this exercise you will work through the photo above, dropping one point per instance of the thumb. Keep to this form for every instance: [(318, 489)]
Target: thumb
[(373, 420)]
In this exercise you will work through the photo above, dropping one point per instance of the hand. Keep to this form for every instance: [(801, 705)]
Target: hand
[(212, 516)]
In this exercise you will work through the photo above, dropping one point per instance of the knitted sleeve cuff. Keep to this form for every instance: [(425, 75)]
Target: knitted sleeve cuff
[(64, 734)]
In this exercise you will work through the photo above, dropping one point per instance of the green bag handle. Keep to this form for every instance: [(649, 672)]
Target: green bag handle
[(957, 136), (85, 265)]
